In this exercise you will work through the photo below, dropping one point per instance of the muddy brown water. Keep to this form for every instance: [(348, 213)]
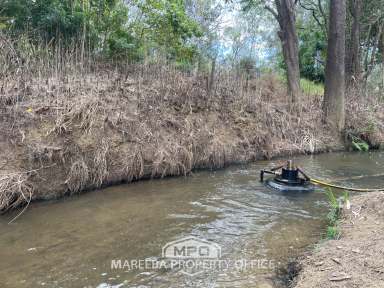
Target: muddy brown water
[(72, 242)]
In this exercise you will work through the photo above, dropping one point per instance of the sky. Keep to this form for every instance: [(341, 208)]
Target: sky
[(257, 39)]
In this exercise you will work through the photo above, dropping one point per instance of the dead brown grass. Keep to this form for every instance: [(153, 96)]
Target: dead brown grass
[(100, 163), (171, 160), (365, 119), (15, 191), (133, 168), (78, 176), (111, 123)]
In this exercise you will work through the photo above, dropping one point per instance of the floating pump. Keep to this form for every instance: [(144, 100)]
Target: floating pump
[(290, 178), (287, 178)]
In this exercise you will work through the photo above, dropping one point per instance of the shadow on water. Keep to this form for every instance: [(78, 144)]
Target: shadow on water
[(71, 243)]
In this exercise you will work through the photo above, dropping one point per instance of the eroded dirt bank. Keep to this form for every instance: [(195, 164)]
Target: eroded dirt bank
[(70, 132), (355, 260)]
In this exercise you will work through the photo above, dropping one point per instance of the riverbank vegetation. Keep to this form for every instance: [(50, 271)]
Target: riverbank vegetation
[(336, 206), (333, 216), (98, 92), (354, 260)]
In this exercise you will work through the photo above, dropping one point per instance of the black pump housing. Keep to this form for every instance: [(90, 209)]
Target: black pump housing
[(288, 180)]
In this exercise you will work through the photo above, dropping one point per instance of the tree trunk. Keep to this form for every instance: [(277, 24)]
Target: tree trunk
[(211, 82), (334, 96), (376, 44), (382, 60), (353, 67), (290, 45)]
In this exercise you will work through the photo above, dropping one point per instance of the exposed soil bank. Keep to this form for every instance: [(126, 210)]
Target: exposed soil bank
[(70, 133), (357, 259)]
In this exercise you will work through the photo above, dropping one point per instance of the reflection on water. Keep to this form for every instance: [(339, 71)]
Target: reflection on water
[(70, 243)]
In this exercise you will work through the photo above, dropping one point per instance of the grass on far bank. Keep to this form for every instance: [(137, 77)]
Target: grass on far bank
[(311, 88), (307, 86)]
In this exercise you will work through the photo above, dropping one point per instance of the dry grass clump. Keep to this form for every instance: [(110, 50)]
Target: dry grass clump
[(365, 118), (100, 163), (214, 154), (84, 113), (133, 167), (87, 114), (62, 125), (217, 153), (15, 190), (209, 143), (171, 160), (78, 177)]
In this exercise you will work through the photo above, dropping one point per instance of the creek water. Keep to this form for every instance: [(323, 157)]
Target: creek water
[(73, 242)]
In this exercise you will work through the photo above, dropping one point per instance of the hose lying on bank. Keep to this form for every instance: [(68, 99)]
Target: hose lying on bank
[(322, 183)]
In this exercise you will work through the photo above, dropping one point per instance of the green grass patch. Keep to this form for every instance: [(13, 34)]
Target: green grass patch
[(311, 88), (360, 145), (334, 214), (307, 86)]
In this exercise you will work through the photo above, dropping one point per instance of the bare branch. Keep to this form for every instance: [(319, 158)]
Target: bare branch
[(322, 14), (272, 11), (323, 26)]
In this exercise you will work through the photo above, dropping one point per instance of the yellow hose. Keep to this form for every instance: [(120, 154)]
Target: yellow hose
[(357, 177), (322, 183)]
